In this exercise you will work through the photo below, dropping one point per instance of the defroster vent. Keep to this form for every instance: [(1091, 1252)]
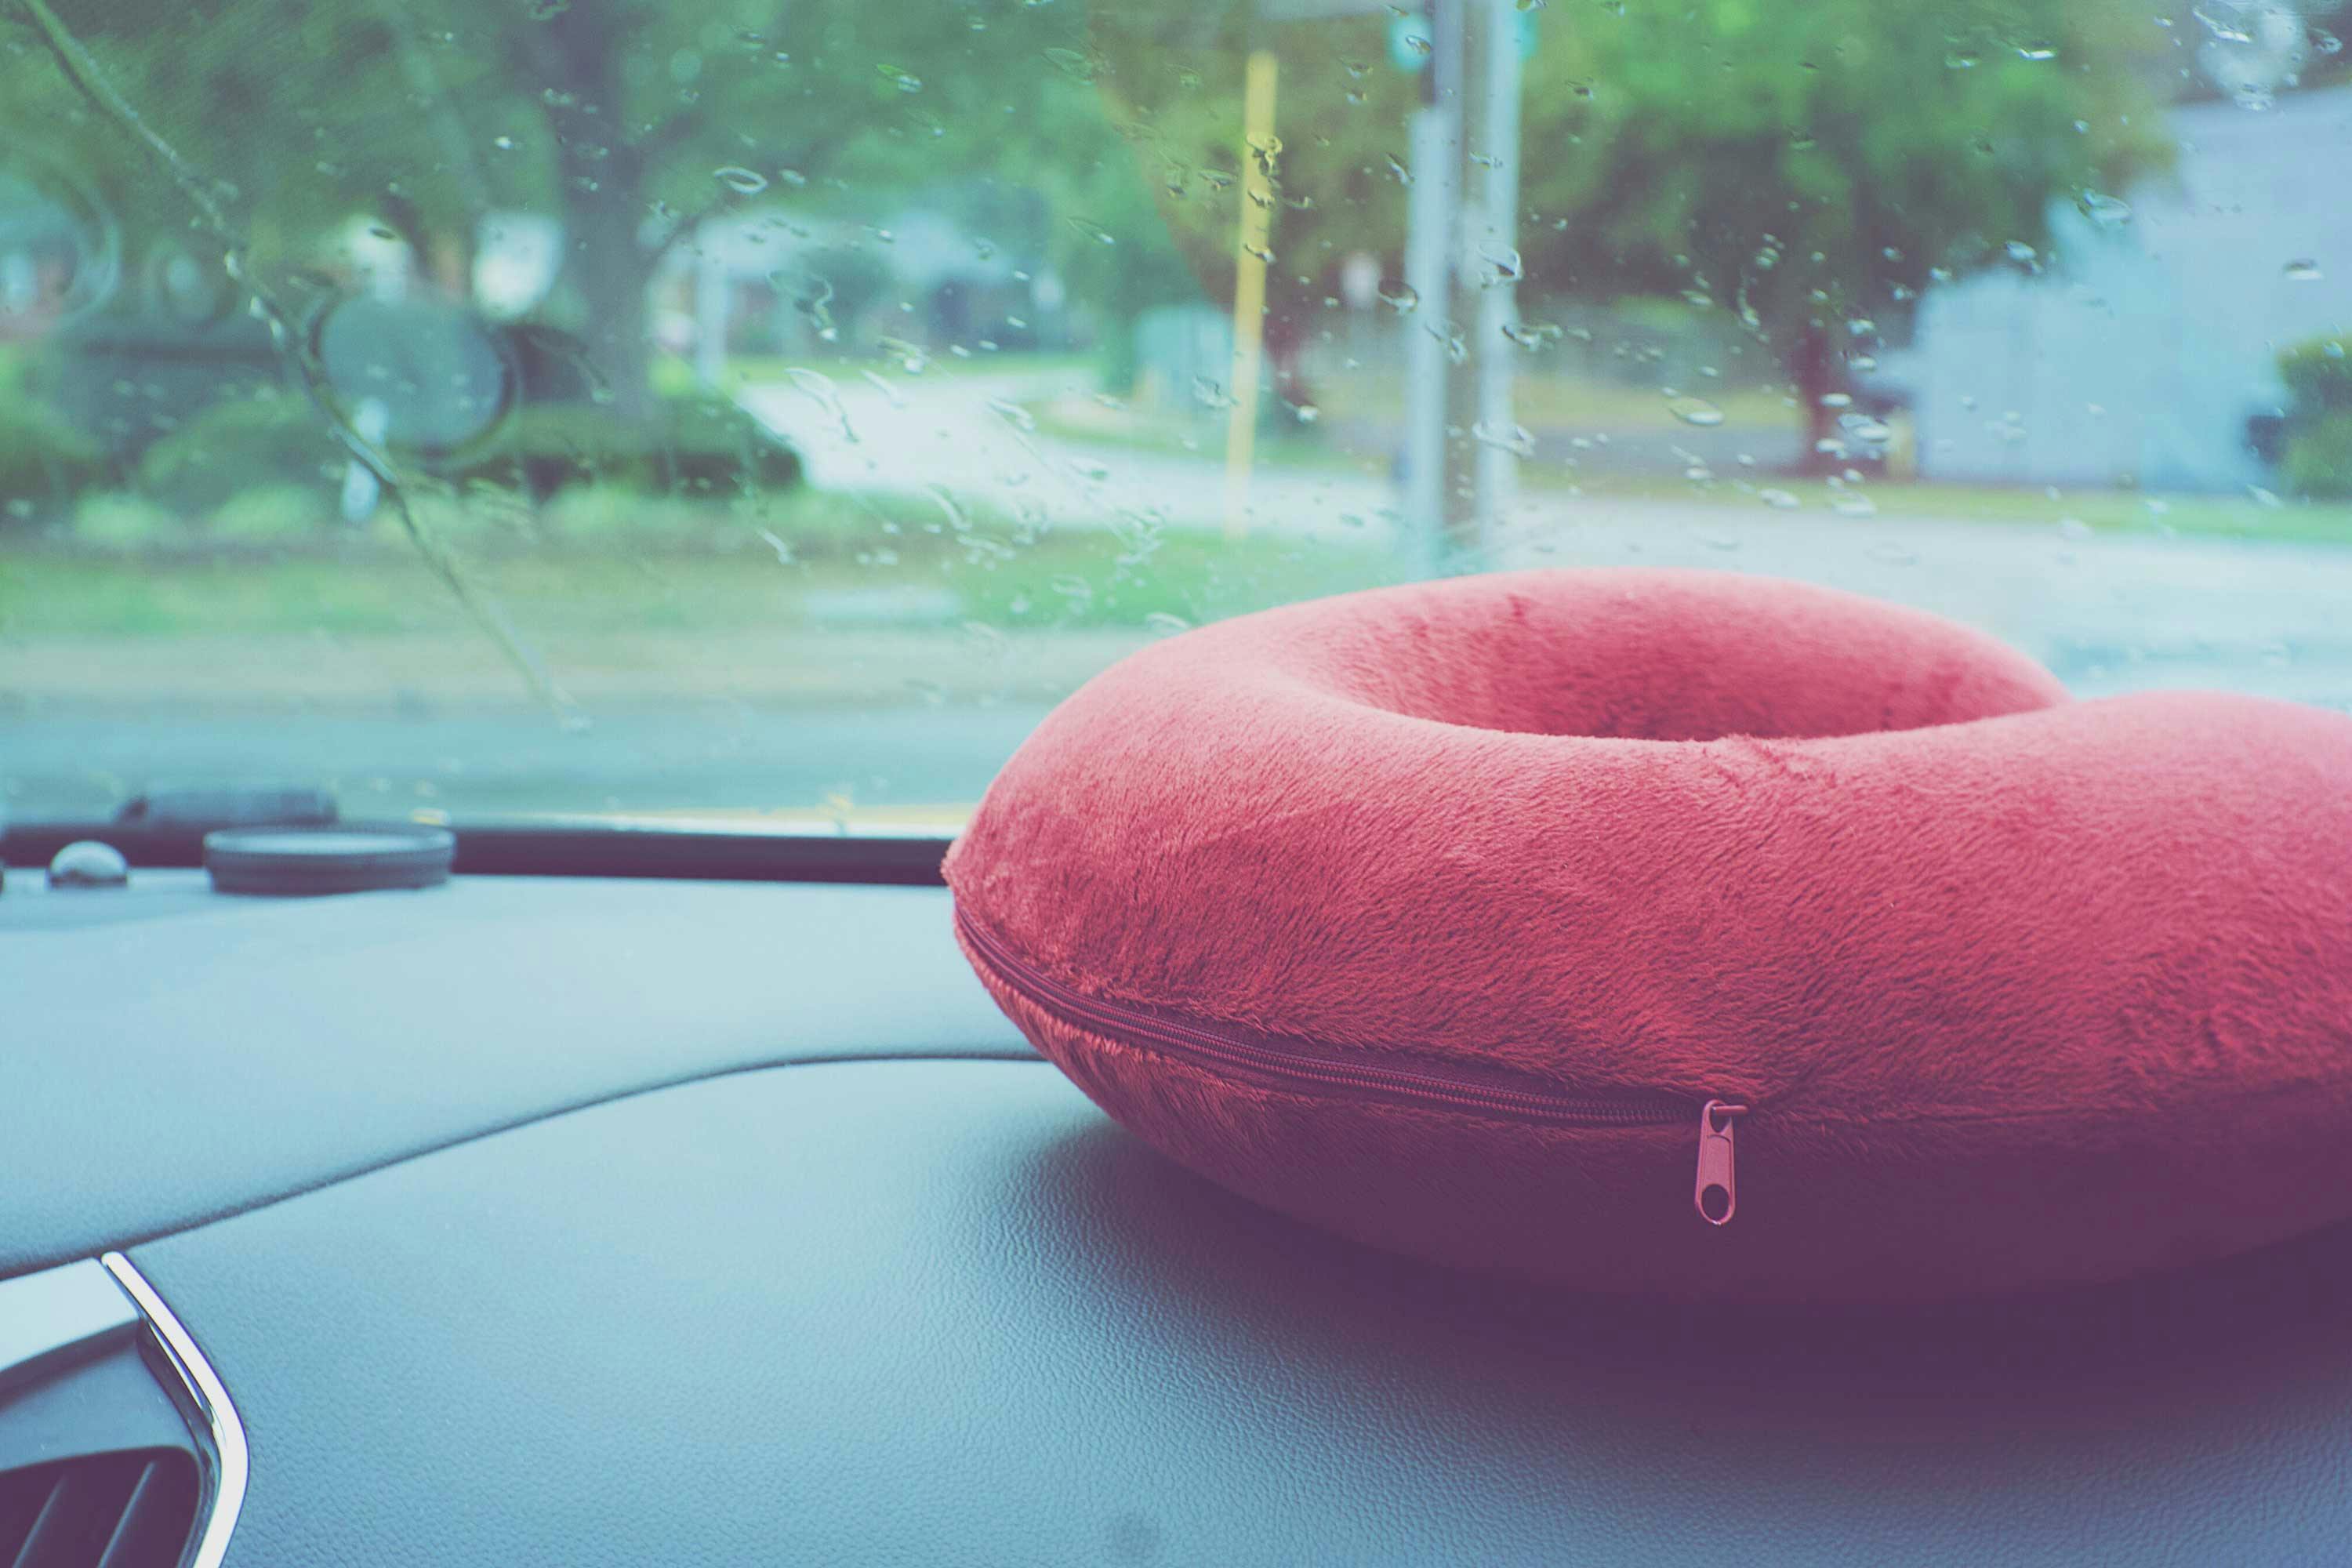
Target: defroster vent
[(129, 1510)]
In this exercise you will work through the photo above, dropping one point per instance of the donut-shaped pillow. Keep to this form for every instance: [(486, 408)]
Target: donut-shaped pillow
[(1690, 932)]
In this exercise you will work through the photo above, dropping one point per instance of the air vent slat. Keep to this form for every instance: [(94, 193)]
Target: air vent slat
[(133, 1509), (155, 1523)]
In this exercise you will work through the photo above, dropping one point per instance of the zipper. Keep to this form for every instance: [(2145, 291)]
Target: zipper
[(1284, 1062)]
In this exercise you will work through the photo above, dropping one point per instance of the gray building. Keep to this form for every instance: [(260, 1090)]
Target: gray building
[(2142, 346)]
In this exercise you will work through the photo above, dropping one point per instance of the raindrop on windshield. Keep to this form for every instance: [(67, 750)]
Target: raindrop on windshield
[(1503, 263), (2302, 271), (899, 77), (1403, 175), (741, 181), (1696, 411), (1013, 413), (2020, 252), (1403, 297), (2225, 21), (1165, 624), (1777, 498), (1072, 64), (1209, 395), (819, 389), (1515, 439), (1093, 231), (2107, 211)]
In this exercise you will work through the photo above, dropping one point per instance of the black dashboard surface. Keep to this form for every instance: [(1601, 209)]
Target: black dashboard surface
[(936, 1309), (178, 1055)]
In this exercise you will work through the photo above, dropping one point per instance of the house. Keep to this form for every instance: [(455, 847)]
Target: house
[(2143, 345)]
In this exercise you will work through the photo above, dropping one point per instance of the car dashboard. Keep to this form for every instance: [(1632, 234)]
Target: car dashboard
[(600, 1221)]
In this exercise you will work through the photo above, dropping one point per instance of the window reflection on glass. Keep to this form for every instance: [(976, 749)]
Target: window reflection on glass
[(728, 407)]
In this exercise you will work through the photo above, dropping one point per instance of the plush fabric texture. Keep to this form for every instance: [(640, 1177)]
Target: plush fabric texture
[(2019, 990)]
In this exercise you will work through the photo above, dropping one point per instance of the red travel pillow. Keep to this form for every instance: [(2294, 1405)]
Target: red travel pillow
[(1437, 915)]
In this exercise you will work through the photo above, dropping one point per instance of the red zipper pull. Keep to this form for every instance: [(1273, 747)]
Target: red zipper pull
[(1715, 1196)]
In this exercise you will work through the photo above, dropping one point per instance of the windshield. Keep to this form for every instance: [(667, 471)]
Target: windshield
[(711, 407)]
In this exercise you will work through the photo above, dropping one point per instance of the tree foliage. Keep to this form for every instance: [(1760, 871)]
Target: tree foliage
[(1804, 166)]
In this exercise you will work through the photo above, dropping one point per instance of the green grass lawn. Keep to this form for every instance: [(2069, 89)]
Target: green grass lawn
[(1567, 403), (673, 377), (660, 579)]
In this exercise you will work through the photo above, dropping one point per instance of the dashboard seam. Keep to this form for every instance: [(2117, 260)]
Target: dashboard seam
[(1010, 1054)]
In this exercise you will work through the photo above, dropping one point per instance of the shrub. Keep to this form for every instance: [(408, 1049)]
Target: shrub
[(269, 512), (45, 460), (237, 445), (2317, 463), (695, 444), (2315, 437), (118, 520)]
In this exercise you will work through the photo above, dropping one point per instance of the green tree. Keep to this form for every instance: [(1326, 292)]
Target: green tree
[(630, 119), (1810, 168)]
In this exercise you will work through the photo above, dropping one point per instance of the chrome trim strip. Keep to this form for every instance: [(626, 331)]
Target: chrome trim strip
[(56, 1316), (204, 1391)]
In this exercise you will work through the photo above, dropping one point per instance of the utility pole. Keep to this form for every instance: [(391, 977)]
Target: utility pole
[(1460, 260), (1496, 269), (1430, 203), (1251, 255)]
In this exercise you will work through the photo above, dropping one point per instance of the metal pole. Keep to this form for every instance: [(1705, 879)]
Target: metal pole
[(1430, 218), (1250, 258), (1496, 269)]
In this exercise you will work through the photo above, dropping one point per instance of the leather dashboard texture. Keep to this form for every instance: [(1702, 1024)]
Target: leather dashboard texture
[(941, 1312), (894, 1305), (173, 1055)]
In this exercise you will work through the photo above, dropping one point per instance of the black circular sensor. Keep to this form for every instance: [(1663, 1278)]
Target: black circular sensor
[(306, 860)]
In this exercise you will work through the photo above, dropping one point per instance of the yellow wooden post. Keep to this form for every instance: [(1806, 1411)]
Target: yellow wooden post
[(1258, 149)]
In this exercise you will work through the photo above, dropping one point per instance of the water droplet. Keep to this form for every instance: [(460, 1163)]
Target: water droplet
[(1261, 252), (1013, 413), (1696, 411), (2020, 252), (2264, 497), (880, 384), (1071, 64), (1836, 400), (1403, 297), (899, 77), (1862, 427), (503, 143), (1306, 413), (2073, 528), (1165, 624), (2324, 42), (1846, 503), (88, 863), (2107, 211), (1093, 230), (1514, 440), (1534, 337), (1777, 498), (2036, 52), (1396, 167), (2225, 21), (1209, 395), (819, 389), (1503, 265), (2302, 271), (741, 181), (1959, 60), (548, 10)]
